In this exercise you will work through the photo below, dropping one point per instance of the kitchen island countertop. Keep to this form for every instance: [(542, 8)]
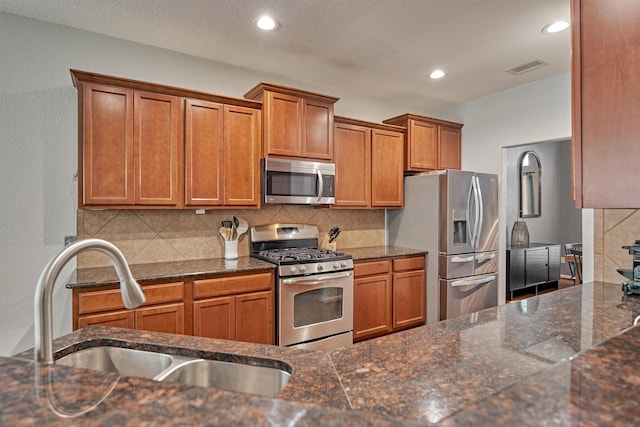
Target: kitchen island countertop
[(544, 360)]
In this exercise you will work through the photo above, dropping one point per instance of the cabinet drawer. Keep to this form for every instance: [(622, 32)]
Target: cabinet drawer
[(91, 302), (232, 285), (369, 268), (402, 264)]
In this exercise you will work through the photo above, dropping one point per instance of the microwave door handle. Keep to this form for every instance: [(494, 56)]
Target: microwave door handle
[(320, 185)]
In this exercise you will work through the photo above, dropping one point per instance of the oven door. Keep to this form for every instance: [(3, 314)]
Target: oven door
[(314, 307)]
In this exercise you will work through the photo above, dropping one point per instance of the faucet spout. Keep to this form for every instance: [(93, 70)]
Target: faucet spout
[(132, 294)]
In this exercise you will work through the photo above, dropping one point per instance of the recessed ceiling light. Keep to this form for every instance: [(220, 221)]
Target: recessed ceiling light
[(267, 23), (556, 27), (437, 74)]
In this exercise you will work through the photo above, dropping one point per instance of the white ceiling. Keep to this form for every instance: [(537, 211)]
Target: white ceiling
[(382, 48)]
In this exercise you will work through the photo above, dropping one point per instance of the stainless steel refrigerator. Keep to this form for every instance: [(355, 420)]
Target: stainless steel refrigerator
[(454, 216)]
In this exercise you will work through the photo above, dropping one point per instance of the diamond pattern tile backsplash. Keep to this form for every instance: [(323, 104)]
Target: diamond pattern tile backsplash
[(146, 236), (612, 229)]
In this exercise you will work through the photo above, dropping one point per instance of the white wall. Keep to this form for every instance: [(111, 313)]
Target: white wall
[(38, 154), (537, 112)]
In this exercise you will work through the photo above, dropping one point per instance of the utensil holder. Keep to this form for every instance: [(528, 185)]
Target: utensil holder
[(230, 249)]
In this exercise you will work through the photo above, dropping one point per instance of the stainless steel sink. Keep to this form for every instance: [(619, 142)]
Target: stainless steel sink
[(230, 376), (123, 361), (240, 377)]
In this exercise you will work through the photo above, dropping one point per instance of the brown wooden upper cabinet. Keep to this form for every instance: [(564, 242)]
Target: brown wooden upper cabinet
[(222, 154), (130, 146), (297, 123), (134, 137), (369, 162), (605, 108), (431, 144)]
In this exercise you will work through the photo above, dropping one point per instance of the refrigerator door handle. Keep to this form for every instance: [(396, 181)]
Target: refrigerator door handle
[(462, 259), (484, 257), (469, 282), (480, 209), (467, 214), (474, 232)]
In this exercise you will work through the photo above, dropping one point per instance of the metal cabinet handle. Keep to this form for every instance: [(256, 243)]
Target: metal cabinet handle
[(483, 257)]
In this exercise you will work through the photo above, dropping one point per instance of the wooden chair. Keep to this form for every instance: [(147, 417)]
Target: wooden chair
[(573, 256)]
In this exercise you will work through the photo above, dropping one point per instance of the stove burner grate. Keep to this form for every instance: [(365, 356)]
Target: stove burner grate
[(299, 254)]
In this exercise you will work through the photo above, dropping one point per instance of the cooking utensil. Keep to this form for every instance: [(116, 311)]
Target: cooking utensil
[(241, 227), (333, 233), (224, 232)]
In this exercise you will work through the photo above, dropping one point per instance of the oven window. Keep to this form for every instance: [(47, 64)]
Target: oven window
[(317, 306)]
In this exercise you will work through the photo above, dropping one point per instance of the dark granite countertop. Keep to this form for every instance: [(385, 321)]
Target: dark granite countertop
[(99, 276), (431, 373), (544, 360), (374, 252)]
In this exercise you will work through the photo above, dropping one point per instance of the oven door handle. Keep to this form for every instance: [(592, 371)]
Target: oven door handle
[(316, 280)]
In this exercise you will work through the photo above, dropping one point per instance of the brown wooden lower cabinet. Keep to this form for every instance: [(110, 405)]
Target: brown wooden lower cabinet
[(233, 306), (247, 317), (215, 318), (372, 306), (389, 295), (161, 318), (116, 319)]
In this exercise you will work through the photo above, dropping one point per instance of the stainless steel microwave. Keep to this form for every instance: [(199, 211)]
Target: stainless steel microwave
[(298, 182)]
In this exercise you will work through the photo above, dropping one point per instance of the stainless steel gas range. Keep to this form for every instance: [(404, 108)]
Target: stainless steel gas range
[(314, 286)]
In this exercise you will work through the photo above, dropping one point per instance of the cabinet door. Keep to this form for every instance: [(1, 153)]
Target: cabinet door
[(283, 124), (515, 269), (409, 303), (203, 152), (372, 306), (605, 95), (241, 156), (353, 165), (161, 318), (156, 127), (387, 186), (554, 263), (107, 145), (215, 318), (255, 318), (449, 147), (317, 130), (536, 266), (116, 319), (422, 152)]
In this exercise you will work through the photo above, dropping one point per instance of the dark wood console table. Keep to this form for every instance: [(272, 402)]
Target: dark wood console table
[(532, 265)]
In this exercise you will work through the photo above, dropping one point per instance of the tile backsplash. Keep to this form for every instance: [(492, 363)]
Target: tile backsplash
[(612, 229), (146, 236)]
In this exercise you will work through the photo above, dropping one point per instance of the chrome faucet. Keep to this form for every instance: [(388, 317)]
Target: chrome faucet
[(132, 294)]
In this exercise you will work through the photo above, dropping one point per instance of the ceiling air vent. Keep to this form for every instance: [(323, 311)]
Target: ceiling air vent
[(529, 66)]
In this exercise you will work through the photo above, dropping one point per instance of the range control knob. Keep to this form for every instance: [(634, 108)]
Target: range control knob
[(320, 267), (292, 270), (302, 269), (343, 264), (336, 265)]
